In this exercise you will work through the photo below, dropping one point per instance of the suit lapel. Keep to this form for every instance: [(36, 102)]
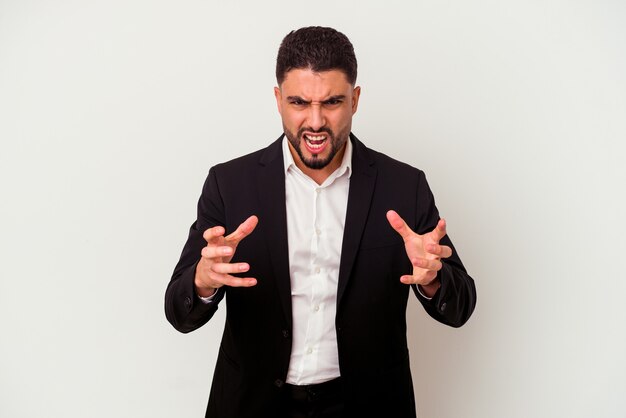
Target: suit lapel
[(362, 183), (273, 218)]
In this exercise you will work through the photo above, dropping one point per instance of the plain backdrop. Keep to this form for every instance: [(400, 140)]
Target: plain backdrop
[(112, 113)]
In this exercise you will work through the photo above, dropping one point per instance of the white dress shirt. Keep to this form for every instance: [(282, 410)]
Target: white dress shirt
[(316, 217)]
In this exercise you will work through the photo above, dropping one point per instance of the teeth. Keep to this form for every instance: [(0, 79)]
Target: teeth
[(315, 138)]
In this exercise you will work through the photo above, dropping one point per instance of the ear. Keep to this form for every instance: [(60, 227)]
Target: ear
[(279, 97), (356, 93)]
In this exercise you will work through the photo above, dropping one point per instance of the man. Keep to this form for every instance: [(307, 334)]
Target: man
[(314, 242)]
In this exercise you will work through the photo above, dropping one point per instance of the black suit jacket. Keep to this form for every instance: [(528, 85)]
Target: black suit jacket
[(371, 301)]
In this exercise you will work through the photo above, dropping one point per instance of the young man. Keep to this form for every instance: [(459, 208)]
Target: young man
[(314, 243)]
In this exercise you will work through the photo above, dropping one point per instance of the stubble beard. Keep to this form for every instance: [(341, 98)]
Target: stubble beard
[(316, 162)]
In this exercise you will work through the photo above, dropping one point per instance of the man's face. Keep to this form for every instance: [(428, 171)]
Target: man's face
[(316, 110)]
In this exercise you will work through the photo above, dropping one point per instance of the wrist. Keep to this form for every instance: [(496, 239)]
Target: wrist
[(205, 292), (201, 288), (431, 288)]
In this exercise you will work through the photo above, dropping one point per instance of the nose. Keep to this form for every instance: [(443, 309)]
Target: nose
[(317, 120)]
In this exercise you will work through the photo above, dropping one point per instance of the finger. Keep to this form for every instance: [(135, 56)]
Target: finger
[(225, 268), (212, 233), (213, 251), (408, 279), (241, 282), (423, 263), (440, 230), (399, 225), (422, 279), (442, 251), (219, 280), (243, 230)]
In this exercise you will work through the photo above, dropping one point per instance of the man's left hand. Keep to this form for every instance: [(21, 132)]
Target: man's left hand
[(424, 252)]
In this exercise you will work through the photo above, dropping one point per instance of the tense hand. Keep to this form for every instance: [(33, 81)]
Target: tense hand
[(423, 251), (214, 268)]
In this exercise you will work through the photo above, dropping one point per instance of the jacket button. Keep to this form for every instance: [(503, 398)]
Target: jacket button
[(286, 333), (278, 383), (443, 306), (188, 302)]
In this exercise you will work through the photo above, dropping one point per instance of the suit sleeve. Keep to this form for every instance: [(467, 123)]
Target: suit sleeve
[(454, 301), (183, 308)]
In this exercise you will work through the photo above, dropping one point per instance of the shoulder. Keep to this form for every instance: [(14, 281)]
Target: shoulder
[(385, 164), (249, 163)]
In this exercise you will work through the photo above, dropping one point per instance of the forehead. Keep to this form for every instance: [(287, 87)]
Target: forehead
[(307, 83)]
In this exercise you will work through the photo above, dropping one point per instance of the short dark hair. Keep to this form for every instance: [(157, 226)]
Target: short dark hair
[(317, 48)]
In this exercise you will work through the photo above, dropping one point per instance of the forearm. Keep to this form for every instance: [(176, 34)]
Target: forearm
[(183, 309), (454, 301)]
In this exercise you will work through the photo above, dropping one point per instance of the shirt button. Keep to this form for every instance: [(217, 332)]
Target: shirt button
[(318, 190), (318, 231), (309, 351), (317, 270), (316, 308)]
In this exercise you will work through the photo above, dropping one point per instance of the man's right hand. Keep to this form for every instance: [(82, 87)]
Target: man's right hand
[(214, 268)]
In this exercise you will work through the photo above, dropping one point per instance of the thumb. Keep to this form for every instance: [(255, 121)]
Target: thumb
[(399, 225)]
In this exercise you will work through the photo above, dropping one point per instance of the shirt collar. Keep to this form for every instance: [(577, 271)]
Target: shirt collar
[(346, 162)]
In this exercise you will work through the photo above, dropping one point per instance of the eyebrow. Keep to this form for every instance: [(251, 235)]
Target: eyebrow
[(335, 97)]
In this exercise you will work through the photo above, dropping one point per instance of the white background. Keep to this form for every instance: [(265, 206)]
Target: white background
[(112, 112)]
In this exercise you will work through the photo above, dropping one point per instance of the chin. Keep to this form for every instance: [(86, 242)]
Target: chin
[(316, 163)]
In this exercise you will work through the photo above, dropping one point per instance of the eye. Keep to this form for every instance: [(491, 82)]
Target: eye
[(332, 102), (297, 102)]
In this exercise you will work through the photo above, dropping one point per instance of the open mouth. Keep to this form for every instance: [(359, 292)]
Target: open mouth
[(315, 143)]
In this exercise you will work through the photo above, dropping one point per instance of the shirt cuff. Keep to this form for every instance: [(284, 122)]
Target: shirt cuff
[(419, 289), (207, 299)]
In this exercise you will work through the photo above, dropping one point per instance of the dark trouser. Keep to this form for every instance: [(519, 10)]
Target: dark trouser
[(324, 400)]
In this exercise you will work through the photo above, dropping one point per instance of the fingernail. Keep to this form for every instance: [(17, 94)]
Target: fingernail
[(243, 267), (227, 251)]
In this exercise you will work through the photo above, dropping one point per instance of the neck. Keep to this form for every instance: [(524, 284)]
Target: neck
[(321, 174)]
